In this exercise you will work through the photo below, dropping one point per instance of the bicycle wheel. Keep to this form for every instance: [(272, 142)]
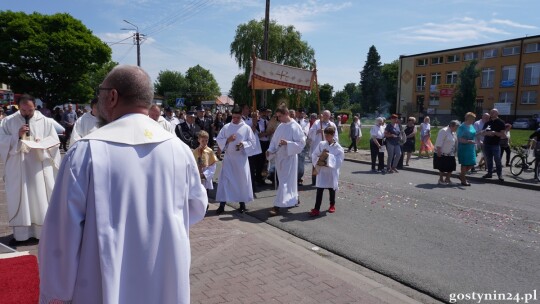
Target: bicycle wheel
[(516, 165)]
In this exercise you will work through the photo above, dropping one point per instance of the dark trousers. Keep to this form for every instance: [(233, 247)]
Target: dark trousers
[(318, 198), (493, 153), (353, 144), (261, 161), (252, 168), (376, 153), (508, 152)]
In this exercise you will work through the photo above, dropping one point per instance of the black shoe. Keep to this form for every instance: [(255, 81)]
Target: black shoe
[(501, 179), (242, 208), (487, 176), (221, 209)]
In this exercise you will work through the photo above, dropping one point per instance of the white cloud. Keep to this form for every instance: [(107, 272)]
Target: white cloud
[(512, 24), (458, 29), (304, 16)]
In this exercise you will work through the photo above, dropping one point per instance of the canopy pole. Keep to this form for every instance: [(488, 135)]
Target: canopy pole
[(253, 96)]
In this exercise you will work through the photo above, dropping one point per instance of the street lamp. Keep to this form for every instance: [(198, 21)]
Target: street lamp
[(137, 40)]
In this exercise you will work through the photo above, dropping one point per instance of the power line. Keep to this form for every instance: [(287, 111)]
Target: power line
[(180, 17), (171, 18)]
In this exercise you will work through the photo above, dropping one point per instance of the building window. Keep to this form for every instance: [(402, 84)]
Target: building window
[(490, 53), (488, 75), (452, 58), (511, 50), (528, 97), (508, 78), (422, 62), (451, 77), (434, 100), (531, 75), (532, 48), (437, 60), (435, 78), (506, 97), (420, 82), (470, 56)]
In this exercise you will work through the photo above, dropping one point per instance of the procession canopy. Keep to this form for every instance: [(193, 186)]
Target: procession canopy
[(266, 75)]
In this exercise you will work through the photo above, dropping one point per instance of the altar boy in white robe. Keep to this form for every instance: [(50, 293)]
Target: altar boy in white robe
[(238, 141), (86, 124), (315, 134), (117, 229), (328, 157), (29, 148), (287, 142)]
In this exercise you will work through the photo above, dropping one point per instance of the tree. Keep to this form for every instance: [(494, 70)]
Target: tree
[(285, 47), (326, 92), (171, 85), (201, 85), (341, 100), (98, 73), (240, 92), (353, 91), (49, 56), (389, 73), (465, 97), (371, 82)]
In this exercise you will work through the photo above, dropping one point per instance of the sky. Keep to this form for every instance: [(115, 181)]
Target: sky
[(180, 34)]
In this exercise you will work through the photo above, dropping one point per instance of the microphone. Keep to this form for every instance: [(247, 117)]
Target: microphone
[(27, 120)]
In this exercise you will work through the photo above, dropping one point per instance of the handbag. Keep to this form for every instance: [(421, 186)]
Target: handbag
[(402, 136)]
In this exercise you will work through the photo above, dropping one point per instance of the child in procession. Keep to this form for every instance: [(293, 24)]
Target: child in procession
[(329, 156), (206, 160)]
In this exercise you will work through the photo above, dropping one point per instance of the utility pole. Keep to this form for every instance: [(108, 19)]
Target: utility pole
[(137, 41), (265, 44)]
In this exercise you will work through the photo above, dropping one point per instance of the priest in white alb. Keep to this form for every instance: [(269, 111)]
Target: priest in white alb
[(287, 142), (315, 135), (86, 124), (154, 112), (29, 149), (238, 142), (117, 229)]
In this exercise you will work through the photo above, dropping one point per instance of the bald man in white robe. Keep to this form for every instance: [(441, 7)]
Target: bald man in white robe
[(117, 230)]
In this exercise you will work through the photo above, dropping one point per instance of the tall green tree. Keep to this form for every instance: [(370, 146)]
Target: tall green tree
[(389, 73), (240, 92), (464, 99), (353, 91), (342, 100), (370, 80), (201, 85), (326, 91), (285, 47), (99, 72), (171, 85), (49, 56)]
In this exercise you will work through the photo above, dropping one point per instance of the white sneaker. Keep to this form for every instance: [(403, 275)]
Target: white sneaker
[(442, 183)]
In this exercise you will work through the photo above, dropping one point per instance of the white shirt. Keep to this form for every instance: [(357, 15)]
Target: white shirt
[(447, 140)]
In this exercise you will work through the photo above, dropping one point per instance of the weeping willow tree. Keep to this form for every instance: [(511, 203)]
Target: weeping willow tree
[(465, 97)]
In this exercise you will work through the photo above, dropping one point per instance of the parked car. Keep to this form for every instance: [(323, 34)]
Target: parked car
[(524, 123)]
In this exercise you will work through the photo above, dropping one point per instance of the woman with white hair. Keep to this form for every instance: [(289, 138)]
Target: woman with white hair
[(376, 144), (446, 146)]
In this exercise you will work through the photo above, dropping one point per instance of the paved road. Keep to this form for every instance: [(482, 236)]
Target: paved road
[(439, 240)]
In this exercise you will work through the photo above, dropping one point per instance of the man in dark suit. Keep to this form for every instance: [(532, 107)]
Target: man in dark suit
[(188, 130), (205, 123)]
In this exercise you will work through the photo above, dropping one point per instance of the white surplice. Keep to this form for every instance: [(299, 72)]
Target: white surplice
[(234, 183), (168, 126), (85, 125), (328, 176), (29, 173), (286, 161), (315, 138), (118, 223)]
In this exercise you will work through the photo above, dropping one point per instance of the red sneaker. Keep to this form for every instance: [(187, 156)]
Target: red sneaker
[(314, 212), (332, 208)]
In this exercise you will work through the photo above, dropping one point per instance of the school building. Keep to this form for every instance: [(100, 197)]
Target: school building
[(509, 79)]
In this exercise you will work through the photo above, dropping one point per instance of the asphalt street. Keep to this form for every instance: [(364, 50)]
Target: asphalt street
[(436, 239)]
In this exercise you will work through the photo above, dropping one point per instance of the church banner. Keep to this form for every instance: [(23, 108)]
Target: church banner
[(269, 75)]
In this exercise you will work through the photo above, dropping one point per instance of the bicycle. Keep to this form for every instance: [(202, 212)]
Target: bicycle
[(520, 162)]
